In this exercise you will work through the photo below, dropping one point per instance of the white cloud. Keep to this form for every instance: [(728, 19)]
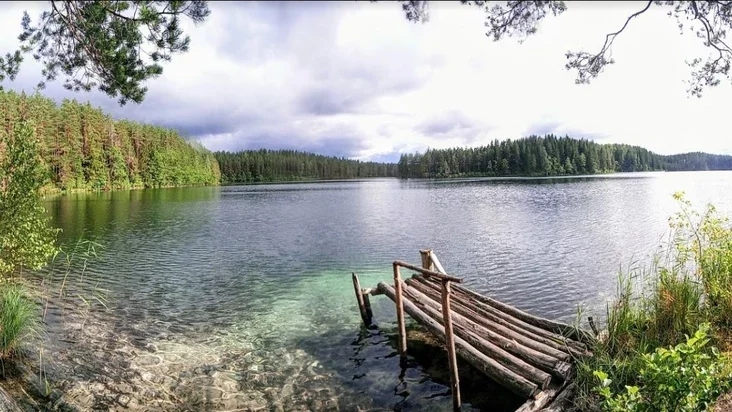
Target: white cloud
[(357, 79)]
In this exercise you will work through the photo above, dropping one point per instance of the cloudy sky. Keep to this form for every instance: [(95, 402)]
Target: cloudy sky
[(357, 79)]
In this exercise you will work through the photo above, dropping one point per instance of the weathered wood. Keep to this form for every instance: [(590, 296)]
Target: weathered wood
[(400, 311), (479, 338), (506, 334), (490, 313), (363, 306), (592, 325), (561, 401), (430, 273), (541, 400), (436, 263), (450, 343), (559, 327), (490, 367), (426, 255)]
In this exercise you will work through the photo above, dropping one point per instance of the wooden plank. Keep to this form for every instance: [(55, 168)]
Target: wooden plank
[(400, 311), (450, 342), (494, 370)]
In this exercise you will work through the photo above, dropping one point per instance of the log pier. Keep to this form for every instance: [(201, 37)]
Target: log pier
[(528, 355)]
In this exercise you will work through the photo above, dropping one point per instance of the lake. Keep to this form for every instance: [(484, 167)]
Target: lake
[(236, 297)]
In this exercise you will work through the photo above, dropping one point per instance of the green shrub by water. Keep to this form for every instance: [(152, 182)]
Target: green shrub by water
[(660, 343)]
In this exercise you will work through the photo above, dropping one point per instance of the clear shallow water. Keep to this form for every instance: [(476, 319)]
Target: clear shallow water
[(253, 282)]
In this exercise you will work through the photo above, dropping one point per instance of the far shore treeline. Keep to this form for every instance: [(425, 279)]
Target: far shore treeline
[(550, 156), (85, 149)]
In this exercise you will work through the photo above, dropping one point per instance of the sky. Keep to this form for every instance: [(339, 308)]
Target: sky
[(356, 79)]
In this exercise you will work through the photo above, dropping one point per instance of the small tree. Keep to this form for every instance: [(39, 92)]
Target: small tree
[(26, 239)]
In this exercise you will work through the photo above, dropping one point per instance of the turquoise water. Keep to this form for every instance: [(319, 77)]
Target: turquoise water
[(237, 297)]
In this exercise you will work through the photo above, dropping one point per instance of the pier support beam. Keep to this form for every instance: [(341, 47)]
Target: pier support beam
[(400, 311), (364, 305), (450, 343)]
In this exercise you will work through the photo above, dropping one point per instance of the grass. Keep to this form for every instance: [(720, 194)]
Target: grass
[(19, 320), (686, 290)]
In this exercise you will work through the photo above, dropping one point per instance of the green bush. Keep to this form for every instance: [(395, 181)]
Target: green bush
[(686, 377)]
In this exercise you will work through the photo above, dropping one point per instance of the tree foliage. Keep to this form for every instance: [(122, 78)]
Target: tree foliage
[(549, 156), (708, 20), (288, 165), (83, 148), (26, 240), (113, 45)]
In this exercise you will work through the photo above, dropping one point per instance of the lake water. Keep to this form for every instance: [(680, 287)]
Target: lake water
[(228, 298)]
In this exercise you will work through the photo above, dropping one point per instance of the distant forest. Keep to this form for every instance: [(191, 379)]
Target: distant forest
[(84, 148), (290, 165), (549, 156)]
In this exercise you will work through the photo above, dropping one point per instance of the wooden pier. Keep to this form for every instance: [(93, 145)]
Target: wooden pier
[(530, 356)]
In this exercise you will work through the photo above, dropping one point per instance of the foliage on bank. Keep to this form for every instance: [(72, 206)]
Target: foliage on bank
[(84, 148), (549, 156), (290, 165), (661, 348)]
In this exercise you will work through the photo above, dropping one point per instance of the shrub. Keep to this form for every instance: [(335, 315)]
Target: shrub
[(686, 377)]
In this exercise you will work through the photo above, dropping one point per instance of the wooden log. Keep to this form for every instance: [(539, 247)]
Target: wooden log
[(450, 343), (436, 263), (558, 327), (541, 400), (506, 335), (494, 370), (562, 401), (400, 311), (426, 255), (480, 338), (429, 273), (362, 299), (552, 339)]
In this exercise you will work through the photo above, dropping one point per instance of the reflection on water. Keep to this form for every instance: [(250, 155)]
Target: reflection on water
[(240, 296)]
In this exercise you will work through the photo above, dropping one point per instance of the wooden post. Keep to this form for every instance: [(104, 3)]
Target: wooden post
[(400, 311), (450, 343), (426, 258), (364, 306)]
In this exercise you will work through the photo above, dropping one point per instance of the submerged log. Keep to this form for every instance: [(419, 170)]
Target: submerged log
[(493, 369), (476, 337)]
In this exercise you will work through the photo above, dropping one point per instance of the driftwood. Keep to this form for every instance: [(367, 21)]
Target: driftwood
[(509, 379)]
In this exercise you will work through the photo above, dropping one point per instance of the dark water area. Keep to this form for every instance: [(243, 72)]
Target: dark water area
[(240, 297)]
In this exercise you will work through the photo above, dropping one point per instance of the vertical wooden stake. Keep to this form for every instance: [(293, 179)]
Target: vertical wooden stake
[(363, 305), (450, 343), (426, 258), (400, 312)]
